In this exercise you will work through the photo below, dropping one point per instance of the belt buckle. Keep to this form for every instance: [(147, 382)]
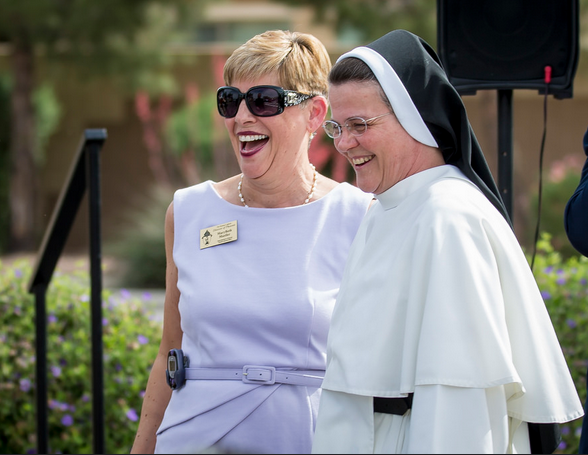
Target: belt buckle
[(258, 374)]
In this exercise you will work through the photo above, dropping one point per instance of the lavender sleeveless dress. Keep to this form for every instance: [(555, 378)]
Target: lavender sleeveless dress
[(264, 299)]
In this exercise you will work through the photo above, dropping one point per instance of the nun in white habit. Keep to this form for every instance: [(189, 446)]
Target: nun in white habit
[(440, 340)]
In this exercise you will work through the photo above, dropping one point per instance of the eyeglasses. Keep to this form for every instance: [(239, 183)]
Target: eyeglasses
[(261, 100), (355, 125)]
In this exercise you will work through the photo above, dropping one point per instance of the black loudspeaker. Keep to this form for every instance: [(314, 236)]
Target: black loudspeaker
[(507, 44)]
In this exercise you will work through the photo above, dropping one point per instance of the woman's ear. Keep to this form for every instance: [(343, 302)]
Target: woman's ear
[(317, 112)]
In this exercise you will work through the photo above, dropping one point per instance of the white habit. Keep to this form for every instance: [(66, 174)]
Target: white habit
[(438, 300)]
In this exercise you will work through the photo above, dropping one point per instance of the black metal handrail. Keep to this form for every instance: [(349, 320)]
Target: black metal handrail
[(84, 174)]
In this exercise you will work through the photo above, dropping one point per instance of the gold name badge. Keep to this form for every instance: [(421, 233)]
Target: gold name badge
[(217, 235)]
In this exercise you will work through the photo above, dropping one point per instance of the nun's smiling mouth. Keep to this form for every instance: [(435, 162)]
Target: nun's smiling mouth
[(358, 162)]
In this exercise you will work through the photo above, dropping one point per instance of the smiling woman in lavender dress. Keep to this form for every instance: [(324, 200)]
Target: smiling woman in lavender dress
[(254, 264)]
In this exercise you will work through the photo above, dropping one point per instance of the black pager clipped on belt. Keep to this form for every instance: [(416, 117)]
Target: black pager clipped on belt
[(176, 365)]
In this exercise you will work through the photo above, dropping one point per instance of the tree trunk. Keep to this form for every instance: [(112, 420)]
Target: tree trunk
[(23, 180)]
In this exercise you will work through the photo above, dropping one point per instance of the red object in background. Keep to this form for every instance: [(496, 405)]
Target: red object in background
[(322, 151)]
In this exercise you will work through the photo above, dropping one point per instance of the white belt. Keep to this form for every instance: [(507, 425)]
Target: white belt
[(257, 374)]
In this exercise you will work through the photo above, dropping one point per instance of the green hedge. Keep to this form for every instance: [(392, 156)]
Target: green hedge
[(131, 338), (130, 343), (140, 246), (563, 283)]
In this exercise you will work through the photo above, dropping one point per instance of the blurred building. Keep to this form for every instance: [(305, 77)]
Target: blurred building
[(128, 177)]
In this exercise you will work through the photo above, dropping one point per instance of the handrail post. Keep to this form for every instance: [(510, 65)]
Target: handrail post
[(41, 368), (84, 174), (92, 157)]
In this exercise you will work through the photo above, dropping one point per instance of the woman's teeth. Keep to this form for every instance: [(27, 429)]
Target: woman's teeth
[(358, 161), (256, 137)]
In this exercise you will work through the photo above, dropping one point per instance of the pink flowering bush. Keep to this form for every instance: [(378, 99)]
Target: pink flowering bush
[(130, 343)]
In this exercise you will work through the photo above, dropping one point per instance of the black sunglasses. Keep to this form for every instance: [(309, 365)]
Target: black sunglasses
[(261, 100)]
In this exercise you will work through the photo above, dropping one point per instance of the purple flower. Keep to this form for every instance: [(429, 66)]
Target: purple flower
[(125, 293), (85, 398), (142, 339), (146, 295), (67, 420), (142, 394), (132, 415), (572, 325), (118, 367), (565, 430), (104, 322), (562, 445), (85, 298), (18, 273), (56, 371), (546, 295), (25, 385), (548, 269), (52, 318), (561, 280), (583, 281)]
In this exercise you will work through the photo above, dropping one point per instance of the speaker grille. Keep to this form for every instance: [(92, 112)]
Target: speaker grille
[(508, 43)]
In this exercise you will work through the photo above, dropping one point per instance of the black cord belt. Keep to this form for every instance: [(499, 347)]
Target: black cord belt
[(397, 406)]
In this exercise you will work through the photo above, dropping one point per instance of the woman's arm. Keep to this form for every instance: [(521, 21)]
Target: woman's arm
[(158, 393)]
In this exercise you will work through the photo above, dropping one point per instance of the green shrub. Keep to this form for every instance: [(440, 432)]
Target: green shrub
[(563, 283), (140, 247), (558, 186), (130, 343)]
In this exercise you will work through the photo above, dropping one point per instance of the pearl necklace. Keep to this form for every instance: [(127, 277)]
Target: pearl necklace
[(306, 201)]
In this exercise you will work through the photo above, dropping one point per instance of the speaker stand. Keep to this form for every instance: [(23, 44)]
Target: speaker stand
[(505, 155)]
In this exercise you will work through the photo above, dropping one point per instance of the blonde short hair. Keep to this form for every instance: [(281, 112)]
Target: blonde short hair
[(300, 60)]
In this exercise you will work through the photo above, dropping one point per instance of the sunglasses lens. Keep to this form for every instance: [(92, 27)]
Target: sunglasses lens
[(264, 101), (228, 100)]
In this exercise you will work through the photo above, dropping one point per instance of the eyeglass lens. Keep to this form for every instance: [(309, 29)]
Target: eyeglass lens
[(356, 126), (261, 101), (332, 128)]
